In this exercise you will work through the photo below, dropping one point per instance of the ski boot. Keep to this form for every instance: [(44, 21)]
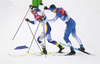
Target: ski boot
[(72, 51), (60, 48), (44, 50), (81, 48)]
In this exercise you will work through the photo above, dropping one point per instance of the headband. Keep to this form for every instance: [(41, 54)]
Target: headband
[(52, 8)]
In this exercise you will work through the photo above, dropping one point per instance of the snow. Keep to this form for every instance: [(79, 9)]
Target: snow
[(84, 12)]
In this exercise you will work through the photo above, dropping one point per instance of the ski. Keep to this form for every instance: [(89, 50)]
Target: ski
[(16, 55), (84, 51), (78, 49), (38, 54)]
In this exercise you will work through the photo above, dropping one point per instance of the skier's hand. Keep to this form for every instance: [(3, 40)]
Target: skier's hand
[(27, 20), (39, 20), (43, 18), (45, 8), (41, 3), (30, 6)]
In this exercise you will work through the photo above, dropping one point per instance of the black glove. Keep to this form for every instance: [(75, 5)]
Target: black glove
[(27, 20), (43, 18), (30, 6), (45, 8), (39, 20), (41, 3)]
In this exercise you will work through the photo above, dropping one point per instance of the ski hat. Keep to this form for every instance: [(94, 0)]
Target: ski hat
[(35, 9), (52, 7)]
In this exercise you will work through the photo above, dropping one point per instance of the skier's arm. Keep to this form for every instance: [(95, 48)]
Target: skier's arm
[(32, 22), (53, 20), (58, 14)]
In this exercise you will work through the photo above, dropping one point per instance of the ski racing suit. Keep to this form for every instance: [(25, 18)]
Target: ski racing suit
[(46, 28), (63, 15)]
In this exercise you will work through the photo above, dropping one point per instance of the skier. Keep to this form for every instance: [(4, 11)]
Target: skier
[(36, 3), (41, 17), (63, 15)]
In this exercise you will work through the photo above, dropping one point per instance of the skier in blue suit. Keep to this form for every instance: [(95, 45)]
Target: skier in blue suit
[(63, 15)]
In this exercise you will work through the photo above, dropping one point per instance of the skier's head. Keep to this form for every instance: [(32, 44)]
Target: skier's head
[(53, 8), (34, 11)]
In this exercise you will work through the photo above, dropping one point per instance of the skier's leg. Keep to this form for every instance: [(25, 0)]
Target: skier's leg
[(43, 35), (70, 26), (66, 36), (41, 43), (54, 42), (77, 39)]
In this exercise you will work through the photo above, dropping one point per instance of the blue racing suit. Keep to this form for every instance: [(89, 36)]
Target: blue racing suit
[(70, 25)]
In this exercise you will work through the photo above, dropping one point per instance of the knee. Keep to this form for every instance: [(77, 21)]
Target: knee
[(65, 38), (50, 41), (66, 35), (74, 35), (53, 42), (39, 40)]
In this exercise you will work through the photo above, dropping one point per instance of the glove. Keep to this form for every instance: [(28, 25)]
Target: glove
[(30, 6), (45, 8), (39, 20), (41, 3), (43, 18), (27, 20)]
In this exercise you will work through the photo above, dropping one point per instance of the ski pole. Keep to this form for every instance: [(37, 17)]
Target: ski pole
[(44, 32), (33, 37), (44, 29), (20, 24)]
